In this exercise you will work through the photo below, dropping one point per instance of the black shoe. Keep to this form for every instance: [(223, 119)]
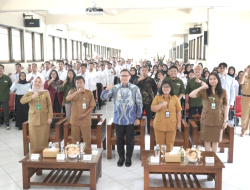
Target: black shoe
[(120, 162), (20, 128), (128, 162)]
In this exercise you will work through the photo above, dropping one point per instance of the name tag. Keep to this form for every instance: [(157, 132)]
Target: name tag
[(154, 159), (84, 106), (87, 157), (94, 152), (178, 84), (172, 153), (167, 114), (60, 157), (209, 159), (35, 157)]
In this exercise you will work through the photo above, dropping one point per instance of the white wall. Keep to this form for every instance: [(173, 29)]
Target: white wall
[(229, 39)]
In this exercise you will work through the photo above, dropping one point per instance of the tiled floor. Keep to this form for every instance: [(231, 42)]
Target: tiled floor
[(235, 176)]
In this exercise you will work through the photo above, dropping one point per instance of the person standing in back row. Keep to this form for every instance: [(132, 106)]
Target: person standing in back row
[(5, 84), (245, 100), (148, 89)]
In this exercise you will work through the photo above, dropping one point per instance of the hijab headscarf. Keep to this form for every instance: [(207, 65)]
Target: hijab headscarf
[(232, 75), (22, 81), (41, 89), (133, 77)]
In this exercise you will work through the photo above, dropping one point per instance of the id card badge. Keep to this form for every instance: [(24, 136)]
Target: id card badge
[(83, 105), (167, 114), (213, 106)]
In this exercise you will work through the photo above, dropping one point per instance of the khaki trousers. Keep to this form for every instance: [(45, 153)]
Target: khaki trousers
[(81, 131), (165, 137), (245, 113), (39, 135)]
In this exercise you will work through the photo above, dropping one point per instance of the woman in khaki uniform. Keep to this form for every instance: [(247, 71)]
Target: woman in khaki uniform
[(215, 111), (168, 115), (40, 113)]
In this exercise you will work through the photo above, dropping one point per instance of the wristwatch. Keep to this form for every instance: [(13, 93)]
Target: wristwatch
[(225, 121), (201, 82)]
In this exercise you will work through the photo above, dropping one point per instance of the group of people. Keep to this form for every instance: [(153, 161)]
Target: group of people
[(161, 90)]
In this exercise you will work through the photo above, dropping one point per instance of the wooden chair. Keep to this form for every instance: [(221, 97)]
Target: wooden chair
[(111, 137), (181, 138), (227, 138), (55, 135), (98, 131)]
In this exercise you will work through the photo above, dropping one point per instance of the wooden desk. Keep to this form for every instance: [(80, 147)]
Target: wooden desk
[(64, 173), (179, 173)]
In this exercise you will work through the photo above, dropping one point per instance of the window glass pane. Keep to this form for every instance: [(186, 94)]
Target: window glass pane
[(38, 46), (57, 48), (16, 41), (75, 50), (4, 45), (70, 50), (79, 51), (28, 46), (50, 48), (63, 49)]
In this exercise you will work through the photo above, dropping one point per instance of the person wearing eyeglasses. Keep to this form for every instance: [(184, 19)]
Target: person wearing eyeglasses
[(167, 119), (127, 114)]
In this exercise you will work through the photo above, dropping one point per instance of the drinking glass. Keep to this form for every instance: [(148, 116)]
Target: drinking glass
[(163, 150)]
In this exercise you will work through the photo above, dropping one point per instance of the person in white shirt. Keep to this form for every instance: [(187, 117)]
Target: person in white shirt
[(111, 73), (47, 70), (227, 83), (180, 74), (84, 74), (92, 80), (101, 83), (62, 73), (119, 69), (15, 76), (116, 73), (33, 74), (77, 69), (29, 70)]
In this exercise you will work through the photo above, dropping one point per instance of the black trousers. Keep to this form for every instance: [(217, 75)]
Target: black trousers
[(99, 92), (193, 110), (56, 106), (5, 106), (147, 108), (94, 94), (21, 112), (115, 80), (127, 130)]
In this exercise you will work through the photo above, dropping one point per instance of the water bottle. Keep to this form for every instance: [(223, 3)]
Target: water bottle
[(157, 150)]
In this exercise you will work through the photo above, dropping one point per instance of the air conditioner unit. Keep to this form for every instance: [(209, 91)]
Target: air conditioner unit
[(94, 11)]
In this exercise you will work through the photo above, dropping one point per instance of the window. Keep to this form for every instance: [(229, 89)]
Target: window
[(75, 50), (4, 48), (38, 47), (57, 48), (79, 51), (181, 51), (63, 49), (11, 44), (33, 46), (50, 48), (201, 49), (178, 51), (28, 46), (17, 45), (70, 50), (192, 49)]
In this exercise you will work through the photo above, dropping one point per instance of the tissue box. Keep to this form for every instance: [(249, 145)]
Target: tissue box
[(50, 153), (173, 156)]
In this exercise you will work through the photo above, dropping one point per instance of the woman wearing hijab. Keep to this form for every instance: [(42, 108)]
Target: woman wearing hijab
[(20, 87), (187, 70), (134, 76), (53, 86), (40, 113), (231, 72), (67, 85)]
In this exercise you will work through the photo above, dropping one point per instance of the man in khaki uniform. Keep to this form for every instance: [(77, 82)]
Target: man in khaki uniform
[(83, 103), (245, 100)]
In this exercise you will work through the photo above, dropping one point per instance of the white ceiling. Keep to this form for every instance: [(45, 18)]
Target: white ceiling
[(124, 18)]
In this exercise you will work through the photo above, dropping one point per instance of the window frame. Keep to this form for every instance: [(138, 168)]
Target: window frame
[(60, 48), (10, 45)]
